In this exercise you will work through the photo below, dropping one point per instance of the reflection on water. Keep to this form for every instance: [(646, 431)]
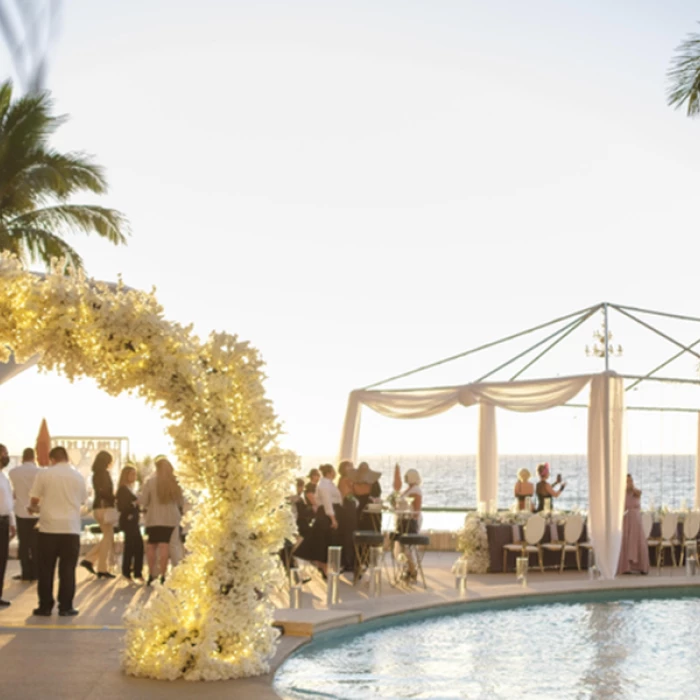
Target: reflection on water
[(613, 650)]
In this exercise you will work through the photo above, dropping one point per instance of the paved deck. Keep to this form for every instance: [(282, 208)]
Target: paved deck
[(78, 658)]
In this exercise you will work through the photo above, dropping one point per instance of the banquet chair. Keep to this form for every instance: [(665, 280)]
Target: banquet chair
[(572, 534), (668, 539), (647, 524), (531, 543), (691, 525)]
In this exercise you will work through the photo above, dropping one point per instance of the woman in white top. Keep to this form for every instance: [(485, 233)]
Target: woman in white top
[(162, 500), (413, 495), (325, 531)]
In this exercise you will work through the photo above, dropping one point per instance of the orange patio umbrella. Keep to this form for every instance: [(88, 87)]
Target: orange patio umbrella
[(43, 444), (397, 478)]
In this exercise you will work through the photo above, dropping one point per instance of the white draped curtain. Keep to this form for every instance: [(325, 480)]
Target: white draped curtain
[(697, 468), (609, 461)]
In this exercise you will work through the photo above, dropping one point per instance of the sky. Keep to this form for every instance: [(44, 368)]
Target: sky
[(362, 188)]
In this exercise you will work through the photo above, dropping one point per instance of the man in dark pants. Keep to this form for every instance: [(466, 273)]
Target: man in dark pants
[(7, 519), (22, 478), (58, 493)]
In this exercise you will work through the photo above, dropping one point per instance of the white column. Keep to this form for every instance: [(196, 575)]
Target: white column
[(351, 429), (607, 470), (487, 456)]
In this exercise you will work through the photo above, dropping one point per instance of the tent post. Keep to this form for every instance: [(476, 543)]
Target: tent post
[(697, 468), (487, 457), (605, 340)]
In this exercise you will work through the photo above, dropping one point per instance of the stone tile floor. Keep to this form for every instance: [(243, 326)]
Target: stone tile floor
[(78, 658)]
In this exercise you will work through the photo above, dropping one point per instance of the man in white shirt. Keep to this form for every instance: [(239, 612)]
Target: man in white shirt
[(58, 492), (7, 519), (22, 478)]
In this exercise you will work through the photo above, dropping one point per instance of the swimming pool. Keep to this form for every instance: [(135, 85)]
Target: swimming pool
[(617, 644)]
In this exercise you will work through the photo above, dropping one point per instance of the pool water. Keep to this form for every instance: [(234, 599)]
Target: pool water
[(623, 644)]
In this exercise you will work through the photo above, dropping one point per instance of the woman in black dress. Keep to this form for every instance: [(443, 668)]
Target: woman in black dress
[(127, 505), (544, 489), (325, 531)]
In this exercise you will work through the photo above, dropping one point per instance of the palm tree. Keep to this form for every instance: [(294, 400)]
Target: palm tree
[(684, 76), (37, 182)]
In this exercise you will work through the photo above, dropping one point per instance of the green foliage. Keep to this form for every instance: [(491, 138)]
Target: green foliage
[(684, 76), (37, 184)]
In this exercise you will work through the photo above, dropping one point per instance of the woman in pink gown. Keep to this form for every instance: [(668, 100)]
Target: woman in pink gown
[(634, 553)]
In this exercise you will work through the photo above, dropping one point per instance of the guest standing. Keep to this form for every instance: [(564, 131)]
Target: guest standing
[(310, 488), (544, 489), (60, 491), (367, 490), (324, 532), (129, 513), (413, 521), (634, 552), (523, 488), (22, 478), (347, 513), (7, 519), (101, 553), (162, 500)]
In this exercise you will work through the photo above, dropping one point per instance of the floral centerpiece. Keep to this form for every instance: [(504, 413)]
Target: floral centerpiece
[(473, 543)]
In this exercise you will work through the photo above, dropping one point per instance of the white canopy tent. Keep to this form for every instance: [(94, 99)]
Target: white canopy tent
[(607, 456)]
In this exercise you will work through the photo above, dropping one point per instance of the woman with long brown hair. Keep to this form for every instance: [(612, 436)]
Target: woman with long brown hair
[(127, 505), (162, 500), (101, 553)]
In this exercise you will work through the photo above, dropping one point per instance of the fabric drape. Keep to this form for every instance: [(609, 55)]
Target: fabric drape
[(607, 470), (607, 458), (697, 468), (487, 456)]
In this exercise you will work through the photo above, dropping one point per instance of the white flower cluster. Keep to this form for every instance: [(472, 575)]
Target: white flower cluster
[(212, 619), (473, 543)]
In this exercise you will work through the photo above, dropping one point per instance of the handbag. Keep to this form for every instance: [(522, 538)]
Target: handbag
[(111, 516)]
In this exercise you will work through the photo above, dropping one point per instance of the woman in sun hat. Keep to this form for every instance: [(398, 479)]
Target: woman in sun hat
[(367, 489)]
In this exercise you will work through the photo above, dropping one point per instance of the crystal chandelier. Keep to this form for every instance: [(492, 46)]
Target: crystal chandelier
[(601, 341)]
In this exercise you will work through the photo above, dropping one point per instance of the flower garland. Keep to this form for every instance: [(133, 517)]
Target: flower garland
[(211, 620)]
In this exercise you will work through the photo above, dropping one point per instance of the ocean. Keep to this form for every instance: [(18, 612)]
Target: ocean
[(449, 481)]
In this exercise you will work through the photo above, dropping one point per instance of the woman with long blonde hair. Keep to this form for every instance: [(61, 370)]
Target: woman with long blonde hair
[(162, 500)]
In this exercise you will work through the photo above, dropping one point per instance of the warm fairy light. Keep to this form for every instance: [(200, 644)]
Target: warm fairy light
[(225, 436)]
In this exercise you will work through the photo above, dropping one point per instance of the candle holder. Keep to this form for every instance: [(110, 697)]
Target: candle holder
[(333, 571), (521, 567), (376, 556), (593, 572), (461, 569), (691, 558), (528, 504), (295, 583)]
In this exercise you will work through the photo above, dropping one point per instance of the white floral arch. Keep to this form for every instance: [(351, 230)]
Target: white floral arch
[(211, 619)]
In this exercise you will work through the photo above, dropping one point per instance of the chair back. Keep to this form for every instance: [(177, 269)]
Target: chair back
[(691, 525), (534, 528), (647, 524), (669, 526), (573, 528)]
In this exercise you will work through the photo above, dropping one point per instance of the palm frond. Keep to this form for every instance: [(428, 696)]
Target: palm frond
[(47, 177), (5, 98), (42, 245), (684, 76), (107, 223)]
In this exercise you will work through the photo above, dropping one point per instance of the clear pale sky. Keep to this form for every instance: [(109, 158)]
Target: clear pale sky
[(361, 188)]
